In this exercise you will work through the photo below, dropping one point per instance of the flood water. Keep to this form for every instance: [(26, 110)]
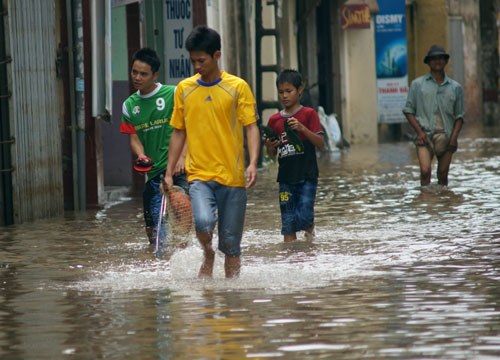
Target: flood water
[(393, 273)]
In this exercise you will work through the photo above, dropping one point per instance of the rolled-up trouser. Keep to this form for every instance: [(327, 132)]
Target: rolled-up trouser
[(297, 205), (214, 202)]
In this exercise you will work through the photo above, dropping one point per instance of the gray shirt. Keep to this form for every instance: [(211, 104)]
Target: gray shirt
[(426, 98)]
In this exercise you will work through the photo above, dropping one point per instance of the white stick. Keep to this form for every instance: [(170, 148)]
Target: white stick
[(160, 220)]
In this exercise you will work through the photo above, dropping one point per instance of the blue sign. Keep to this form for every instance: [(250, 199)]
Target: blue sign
[(391, 60)]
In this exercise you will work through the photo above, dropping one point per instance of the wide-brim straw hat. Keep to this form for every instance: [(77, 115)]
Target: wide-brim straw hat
[(436, 50)]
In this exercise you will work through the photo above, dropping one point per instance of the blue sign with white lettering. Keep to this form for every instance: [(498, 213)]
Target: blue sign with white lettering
[(390, 39), (391, 60)]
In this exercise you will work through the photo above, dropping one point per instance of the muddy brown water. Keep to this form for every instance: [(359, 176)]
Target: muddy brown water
[(393, 273)]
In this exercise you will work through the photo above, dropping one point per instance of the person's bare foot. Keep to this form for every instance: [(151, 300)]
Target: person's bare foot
[(290, 237), (207, 268), (149, 233), (309, 233), (232, 266)]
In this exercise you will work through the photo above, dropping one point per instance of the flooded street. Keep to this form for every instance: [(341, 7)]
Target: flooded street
[(393, 273)]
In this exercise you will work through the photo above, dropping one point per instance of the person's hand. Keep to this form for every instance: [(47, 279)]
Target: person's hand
[(180, 167), (143, 164), (251, 175), (453, 144), (270, 144), (422, 139), (295, 124), (167, 183)]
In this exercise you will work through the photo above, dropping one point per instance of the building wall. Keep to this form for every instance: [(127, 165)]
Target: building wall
[(489, 61), (120, 71), (469, 11), (356, 78), (427, 25), (153, 32), (34, 111), (356, 59), (270, 56), (359, 87), (287, 16), (115, 146), (432, 22)]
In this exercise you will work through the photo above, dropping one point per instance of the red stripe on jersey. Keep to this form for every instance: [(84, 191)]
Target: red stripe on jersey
[(127, 128)]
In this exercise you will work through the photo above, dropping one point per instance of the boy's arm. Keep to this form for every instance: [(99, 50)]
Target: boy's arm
[(272, 148), (126, 127), (253, 144), (136, 145)]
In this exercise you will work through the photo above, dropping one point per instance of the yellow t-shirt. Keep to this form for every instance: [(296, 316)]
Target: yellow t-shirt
[(213, 116)]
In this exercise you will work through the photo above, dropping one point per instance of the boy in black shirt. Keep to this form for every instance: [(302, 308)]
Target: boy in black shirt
[(299, 132)]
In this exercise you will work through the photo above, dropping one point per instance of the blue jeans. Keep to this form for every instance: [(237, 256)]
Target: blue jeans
[(297, 205), (151, 200), (207, 197)]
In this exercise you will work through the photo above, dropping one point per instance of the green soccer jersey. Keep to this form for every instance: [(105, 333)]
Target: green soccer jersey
[(149, 117)]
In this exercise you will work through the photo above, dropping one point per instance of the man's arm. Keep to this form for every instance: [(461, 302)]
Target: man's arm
[(452, 145), (421, 136), (410, 109), (459, 112), (253, 144), (175, 149)]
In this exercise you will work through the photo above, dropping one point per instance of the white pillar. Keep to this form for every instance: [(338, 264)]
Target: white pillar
[(359, 86), (216, 17)]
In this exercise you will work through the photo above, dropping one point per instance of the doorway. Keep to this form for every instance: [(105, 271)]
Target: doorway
[(315, 53)]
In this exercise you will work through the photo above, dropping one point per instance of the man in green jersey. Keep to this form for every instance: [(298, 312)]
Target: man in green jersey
[(146, 118)]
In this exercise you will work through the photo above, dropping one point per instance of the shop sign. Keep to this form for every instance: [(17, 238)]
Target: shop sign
[(178, 23), (355, 17)]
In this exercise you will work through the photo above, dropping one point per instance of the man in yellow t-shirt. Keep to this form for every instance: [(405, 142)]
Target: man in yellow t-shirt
[(211, 109)]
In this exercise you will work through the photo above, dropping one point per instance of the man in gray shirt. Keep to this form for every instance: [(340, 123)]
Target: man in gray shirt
[(435, 109)]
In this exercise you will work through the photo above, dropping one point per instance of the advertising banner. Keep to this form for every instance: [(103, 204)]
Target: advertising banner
[(178, 23), (391, 60)]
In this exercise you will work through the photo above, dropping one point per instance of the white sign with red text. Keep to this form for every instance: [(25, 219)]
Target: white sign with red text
[(391, 96)]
